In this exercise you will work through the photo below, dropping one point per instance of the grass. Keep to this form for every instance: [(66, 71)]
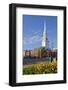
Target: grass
[(40, 68)]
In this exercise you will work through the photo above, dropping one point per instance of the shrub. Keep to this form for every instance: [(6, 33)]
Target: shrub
[(41, 68)]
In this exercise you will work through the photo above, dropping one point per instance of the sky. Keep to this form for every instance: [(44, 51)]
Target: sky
[(33, 28)]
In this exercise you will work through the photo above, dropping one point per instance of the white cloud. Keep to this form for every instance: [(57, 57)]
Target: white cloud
[(33, 39)]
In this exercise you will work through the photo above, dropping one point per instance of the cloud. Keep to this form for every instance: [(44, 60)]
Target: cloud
[(33, 39), (37, 32)]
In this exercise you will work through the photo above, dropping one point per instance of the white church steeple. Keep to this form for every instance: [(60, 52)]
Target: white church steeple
[(44, 37)]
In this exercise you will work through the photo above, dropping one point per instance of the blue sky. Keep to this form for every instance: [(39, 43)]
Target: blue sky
[(33, 28)]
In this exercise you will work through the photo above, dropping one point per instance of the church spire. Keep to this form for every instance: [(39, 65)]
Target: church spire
[(44, 36), (45, 41)]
